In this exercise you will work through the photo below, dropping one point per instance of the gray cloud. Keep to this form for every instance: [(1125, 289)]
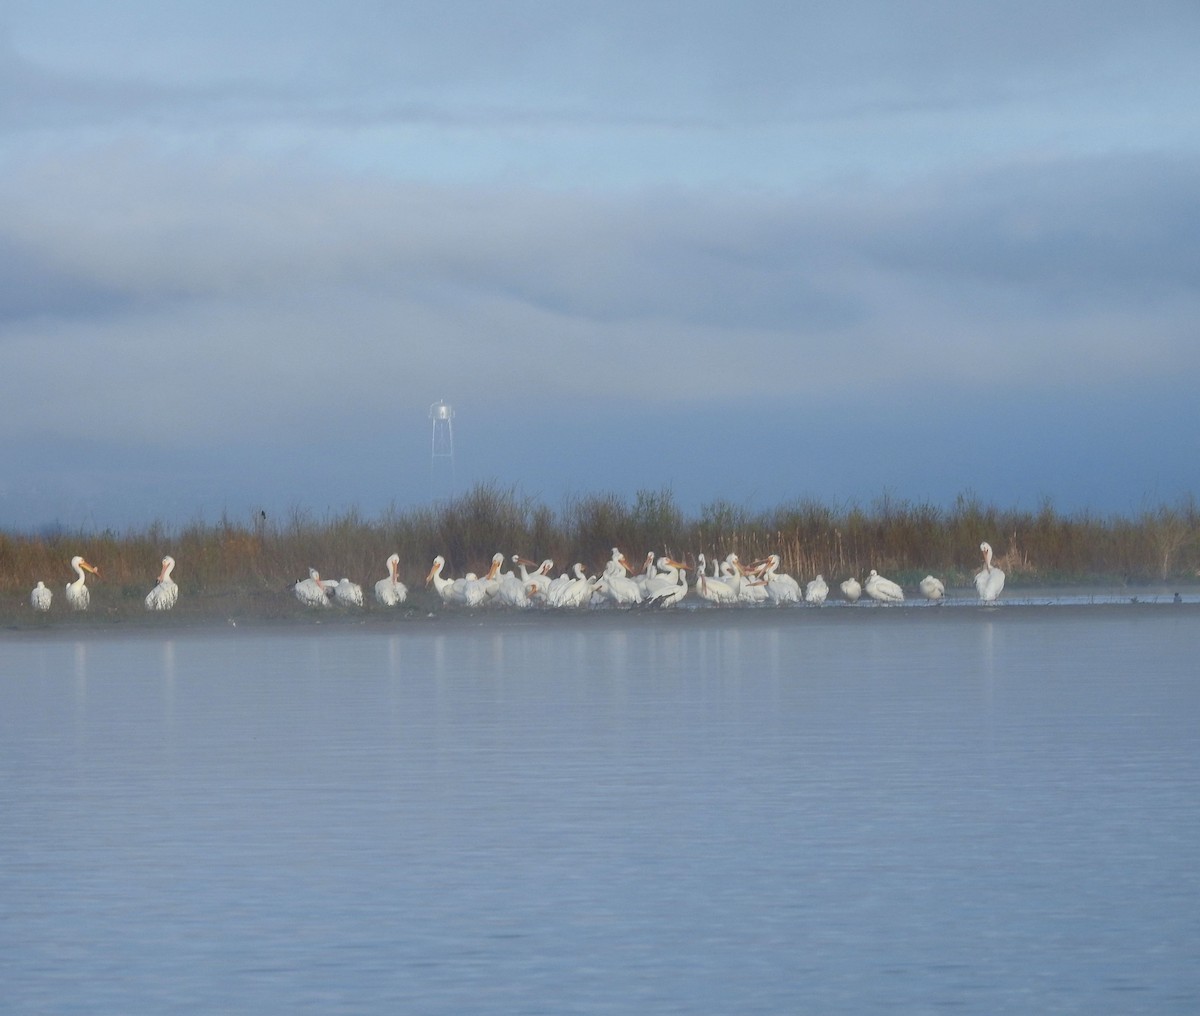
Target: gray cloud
[(266, 224)]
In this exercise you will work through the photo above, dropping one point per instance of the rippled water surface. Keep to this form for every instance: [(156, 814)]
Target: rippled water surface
[(853, 811)]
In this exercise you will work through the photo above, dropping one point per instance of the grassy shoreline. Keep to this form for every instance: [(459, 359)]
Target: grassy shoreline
[(254, 564)]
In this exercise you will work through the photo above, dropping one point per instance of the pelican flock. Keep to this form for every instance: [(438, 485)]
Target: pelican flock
[(660, 581)]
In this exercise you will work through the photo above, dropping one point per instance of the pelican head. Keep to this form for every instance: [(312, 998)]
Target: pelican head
[(78, 562)]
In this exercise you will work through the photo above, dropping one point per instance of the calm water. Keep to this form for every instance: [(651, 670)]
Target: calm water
[(838, 811)]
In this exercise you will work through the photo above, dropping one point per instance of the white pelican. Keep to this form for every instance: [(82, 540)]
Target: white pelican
[(646, 574), (434, 578), (391, 591), (311, 591), (816, 591), (668, 585), (617, 585), (471, 590), (575, 592), (77, 593), (711, 588), (539, 578), (990, 581), (165, 592), (781, 588), (40, 598), (519, 590), (347, 593), (932, 588), (735, 575), (884, 590), (852, 589)]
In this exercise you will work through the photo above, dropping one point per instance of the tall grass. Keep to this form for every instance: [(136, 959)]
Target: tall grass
[(898, 537)]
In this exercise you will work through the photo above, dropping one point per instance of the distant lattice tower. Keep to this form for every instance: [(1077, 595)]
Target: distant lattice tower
[(441, 455)]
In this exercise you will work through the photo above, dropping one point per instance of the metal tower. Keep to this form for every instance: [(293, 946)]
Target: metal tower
[(441, 455)]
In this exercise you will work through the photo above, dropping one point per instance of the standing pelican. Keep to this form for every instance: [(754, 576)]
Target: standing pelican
[(311, 591), (391, 591), (40, 598), (881, 589), (77, 593), (932, 588), (165, 592), (444, 586), (852, 589), (990, 581)]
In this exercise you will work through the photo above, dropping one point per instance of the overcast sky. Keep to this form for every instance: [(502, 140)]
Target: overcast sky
[(752, 251)]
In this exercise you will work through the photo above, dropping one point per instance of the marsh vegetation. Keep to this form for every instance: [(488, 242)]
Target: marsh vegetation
[(259, 557)]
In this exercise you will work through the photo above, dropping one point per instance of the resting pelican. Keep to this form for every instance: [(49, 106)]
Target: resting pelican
[(851, 589), (391, 591), (539, 580), (884, 590), (469, 591), (165, 592), (816, 591), (575, 592), (781, 588), (990, 581), (617, 585), (347, 593), (519, 590), (646, 574), (77, 593), (711, 588), (311, 591), (932, 588), (668, 585), (40, 598)]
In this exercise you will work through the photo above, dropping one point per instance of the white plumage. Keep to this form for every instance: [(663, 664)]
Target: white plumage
[(816, 591), (311, 591), (40, 598), (77, 593), (990, 581), (881, 589), (391, 591), (165, 592), (932, 588), (347, 593), (711, 587)]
